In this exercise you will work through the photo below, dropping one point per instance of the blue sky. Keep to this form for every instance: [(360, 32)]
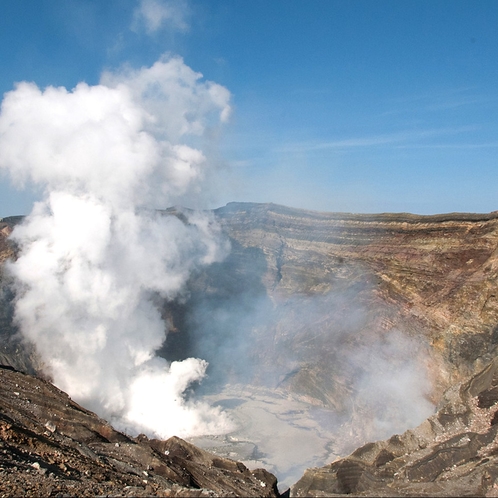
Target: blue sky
[(362, 106)]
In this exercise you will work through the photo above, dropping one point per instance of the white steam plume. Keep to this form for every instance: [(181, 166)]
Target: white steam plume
[(95, 254)]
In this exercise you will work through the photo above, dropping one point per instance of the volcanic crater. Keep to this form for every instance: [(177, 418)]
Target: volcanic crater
[(336, 329)]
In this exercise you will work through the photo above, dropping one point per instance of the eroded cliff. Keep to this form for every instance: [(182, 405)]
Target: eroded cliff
[(428, 276)]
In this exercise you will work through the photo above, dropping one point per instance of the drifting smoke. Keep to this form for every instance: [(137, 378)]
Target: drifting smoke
[(394, 386), (98, 259), (308, 377), (95, 254), (305, 344)]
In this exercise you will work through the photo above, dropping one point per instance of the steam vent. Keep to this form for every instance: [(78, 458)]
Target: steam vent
[(342, 354)]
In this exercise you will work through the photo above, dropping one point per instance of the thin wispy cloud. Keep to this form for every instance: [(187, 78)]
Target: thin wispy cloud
[(153, 15), (438, 101), (459, 102), (374, 140), (487, 145)]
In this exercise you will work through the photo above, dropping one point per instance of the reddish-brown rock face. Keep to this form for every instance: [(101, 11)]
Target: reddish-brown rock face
[(5, 250), (428, 276), (337, 309)]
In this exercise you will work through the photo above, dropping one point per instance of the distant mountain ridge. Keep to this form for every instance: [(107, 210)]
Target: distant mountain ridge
[(233, 207)]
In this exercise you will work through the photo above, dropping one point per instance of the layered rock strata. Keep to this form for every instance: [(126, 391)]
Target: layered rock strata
[(429, 276)]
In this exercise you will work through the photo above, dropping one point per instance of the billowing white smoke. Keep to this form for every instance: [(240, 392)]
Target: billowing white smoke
[(95, 254)]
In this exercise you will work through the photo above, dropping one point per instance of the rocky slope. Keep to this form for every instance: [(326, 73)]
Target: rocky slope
[(13, 352), (50, 446)]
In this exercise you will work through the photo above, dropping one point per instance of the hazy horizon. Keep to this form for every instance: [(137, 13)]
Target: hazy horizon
[(339, 106)]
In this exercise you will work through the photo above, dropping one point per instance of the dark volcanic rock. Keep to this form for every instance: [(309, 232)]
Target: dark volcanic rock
[(13, 350), (50, 446)]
